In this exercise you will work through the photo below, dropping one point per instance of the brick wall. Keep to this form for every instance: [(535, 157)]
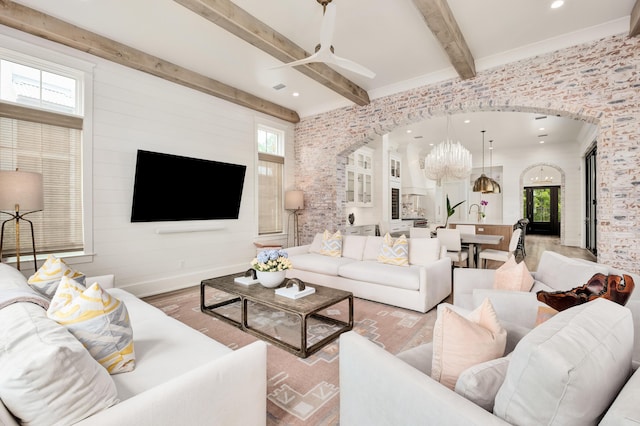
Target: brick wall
[(598, 82)]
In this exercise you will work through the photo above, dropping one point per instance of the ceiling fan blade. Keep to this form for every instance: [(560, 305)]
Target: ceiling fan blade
[(350, 65), (328, 26), (325, 54), (319, 56)]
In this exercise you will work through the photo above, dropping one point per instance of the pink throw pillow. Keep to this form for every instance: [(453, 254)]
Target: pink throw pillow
[(513, 276)]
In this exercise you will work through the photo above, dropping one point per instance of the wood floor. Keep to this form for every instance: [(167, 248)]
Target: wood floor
[(536, 244)]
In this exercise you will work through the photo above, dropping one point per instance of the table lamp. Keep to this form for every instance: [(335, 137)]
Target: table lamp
[(21, 193)]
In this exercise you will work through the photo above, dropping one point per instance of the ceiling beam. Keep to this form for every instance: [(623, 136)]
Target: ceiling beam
[(634, 28), (42, 25), (237, 21), (444, 27)]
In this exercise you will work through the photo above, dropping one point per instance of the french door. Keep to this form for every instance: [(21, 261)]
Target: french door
[(591, 240), (542, 208)]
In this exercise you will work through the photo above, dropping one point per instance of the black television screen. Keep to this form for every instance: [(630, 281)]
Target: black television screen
[(171, 188)]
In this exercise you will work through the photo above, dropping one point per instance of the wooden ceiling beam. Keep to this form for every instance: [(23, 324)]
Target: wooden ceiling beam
[(42, 25), (237, 21), (634, 27), (443, 25)]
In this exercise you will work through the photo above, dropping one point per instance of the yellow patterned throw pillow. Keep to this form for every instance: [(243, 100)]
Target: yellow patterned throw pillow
[(394, 252), (47, 278), (98, 320), (331, 244)]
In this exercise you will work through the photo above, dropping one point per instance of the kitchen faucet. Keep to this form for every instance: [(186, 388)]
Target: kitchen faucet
[(477, 211)]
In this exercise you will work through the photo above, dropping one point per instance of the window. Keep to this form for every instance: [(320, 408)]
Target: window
[(270, 180), (41, 124)]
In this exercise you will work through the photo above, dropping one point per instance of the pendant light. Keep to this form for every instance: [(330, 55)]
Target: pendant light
[(483, 183), (496, 185)]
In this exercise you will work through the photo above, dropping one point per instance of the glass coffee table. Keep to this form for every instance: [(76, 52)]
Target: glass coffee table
[(300, 326)]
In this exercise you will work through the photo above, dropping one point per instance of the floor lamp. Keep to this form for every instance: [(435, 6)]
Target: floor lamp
[(20, 194), (294, 200)]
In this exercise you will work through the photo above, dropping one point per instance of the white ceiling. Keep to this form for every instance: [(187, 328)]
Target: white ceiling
[(388, 36)]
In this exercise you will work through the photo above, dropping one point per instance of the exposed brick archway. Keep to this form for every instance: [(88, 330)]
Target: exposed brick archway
[(597, 82)]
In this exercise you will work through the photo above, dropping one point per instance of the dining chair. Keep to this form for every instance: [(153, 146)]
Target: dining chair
[(500, 255), (469, 229), (419, 232), (450, 238), (521, 224)]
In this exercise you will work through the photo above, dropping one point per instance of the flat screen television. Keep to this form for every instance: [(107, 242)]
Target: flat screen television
[(174, 188)]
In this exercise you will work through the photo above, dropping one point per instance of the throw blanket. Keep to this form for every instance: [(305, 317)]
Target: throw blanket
[(613, 287), (15, 295)]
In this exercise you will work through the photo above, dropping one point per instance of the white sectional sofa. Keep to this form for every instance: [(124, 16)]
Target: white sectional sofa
[(555, 272), (181, 375), (574, 369), (420, 286)]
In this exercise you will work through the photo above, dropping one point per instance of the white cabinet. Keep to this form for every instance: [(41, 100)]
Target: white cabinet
[(359, 178), (394, 168), (360, 230), (395, 229)]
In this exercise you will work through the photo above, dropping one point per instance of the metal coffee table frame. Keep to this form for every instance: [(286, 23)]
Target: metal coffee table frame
[(304, 308)]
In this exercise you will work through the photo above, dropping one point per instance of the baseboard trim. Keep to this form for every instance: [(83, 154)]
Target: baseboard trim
[(178, 282)]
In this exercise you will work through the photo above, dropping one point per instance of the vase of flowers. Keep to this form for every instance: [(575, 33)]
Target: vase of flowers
[(271, 267), (483, 204)]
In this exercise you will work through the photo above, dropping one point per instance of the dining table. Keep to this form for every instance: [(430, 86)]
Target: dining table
[(473, 240)]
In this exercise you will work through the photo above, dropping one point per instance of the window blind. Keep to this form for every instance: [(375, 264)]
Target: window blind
[(270, 178), (51, 144)]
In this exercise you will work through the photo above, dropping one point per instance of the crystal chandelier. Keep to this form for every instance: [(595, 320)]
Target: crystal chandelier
[(448, 159)]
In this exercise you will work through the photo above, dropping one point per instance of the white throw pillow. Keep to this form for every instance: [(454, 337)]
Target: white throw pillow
[(48, 276), (98, 320), (459, 342), (394, 252), (569, 369), (46, 376), (480, 383), (316, 244), (513, 276)]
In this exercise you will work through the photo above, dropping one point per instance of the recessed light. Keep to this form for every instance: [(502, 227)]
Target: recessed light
[(295, 94), (541, 141), (467, 121), (556, 4), (541, 128), (409, 131), (431, 144)]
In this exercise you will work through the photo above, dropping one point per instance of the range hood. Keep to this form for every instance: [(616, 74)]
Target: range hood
[(413, 180)]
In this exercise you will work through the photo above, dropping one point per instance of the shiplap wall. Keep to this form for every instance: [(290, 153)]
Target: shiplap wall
[(133, 110)]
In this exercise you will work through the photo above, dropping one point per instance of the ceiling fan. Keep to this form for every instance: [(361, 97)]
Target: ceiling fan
[(324, 50)]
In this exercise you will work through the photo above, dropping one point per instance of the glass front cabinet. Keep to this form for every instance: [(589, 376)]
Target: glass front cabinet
[(359, 178)]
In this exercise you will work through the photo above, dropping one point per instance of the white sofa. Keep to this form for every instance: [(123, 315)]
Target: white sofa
[(181, 375), (570, 370), (420, 286), (555, 272)]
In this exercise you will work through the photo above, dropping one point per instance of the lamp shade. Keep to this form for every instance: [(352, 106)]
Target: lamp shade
[(21, 188), (294, 200), (483, 184)]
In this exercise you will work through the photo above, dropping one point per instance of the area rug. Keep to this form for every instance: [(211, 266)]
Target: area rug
[(305, 391)]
